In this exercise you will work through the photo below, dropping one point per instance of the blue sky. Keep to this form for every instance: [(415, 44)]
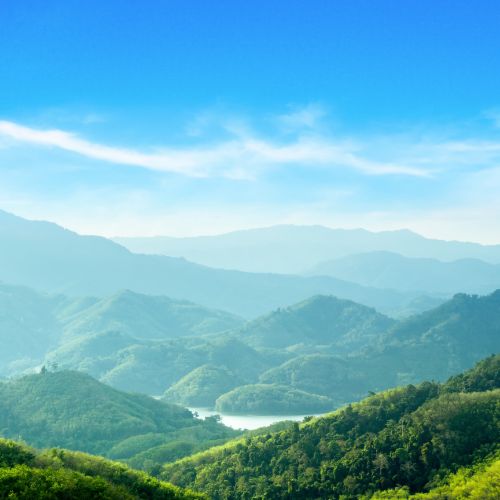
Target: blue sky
[(195, 117)]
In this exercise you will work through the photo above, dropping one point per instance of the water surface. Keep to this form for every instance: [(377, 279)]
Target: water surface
[(248, 422)]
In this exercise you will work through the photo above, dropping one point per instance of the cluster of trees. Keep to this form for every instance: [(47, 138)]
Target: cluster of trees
[(57, 473), (480, 481), (411, 437), (269, 399), (72, 410)]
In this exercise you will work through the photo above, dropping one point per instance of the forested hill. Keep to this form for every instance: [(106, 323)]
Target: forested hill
[(32, 323), (444, 340), (61, 474), (319, 320), (72, 410), (407, 438)]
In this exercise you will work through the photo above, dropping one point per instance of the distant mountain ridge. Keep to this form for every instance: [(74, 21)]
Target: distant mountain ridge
[(47, 257), (391, 270), (292, 249)]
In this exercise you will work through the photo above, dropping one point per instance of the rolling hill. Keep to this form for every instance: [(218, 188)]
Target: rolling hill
[(72, 410), (147, 317), (319, 320), (33, 323), (324, 346)]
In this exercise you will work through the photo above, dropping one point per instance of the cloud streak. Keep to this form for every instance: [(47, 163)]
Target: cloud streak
[(240, 157)]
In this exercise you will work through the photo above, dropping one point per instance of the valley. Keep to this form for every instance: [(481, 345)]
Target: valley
[(113, 374)]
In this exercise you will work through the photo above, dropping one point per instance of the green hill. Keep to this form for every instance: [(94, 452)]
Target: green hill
[(443, 341), (147, 317), (324, 346), (57, 474), (202, 386), (72, 410), (323, 374), (153, 366), (33, 323), (319, 320), (271, 399), (409, 438)]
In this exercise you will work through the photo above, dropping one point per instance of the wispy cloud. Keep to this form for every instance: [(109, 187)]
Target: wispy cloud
[(242, 156), (303, 117)]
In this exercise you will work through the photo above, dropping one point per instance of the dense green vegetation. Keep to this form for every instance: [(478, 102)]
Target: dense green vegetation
[(411, 437), (271, 399), (440, 342), (202, 386), (324, 374), (323, 346), (480, 481), (319, 320), (153, 366), (61, 474), (72, 410)]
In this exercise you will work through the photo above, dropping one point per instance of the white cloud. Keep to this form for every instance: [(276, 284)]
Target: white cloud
[(304, 117), (240, 157)]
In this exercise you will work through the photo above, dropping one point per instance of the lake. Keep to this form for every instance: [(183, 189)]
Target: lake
[(248, 422)]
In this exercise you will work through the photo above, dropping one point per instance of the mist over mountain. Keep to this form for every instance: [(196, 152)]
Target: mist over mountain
[(291, 249), (47, 257), (391, 270), (324, 346), (299, 212)]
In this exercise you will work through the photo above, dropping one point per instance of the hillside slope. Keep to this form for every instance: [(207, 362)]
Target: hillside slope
[(147, 317), (319, 320), (26, 473), (404, 437), (34, 323), (72, 410)]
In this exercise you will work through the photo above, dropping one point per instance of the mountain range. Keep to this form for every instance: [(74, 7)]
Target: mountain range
[(46, 257), (394, 271), (192, 354), (292, 249)]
